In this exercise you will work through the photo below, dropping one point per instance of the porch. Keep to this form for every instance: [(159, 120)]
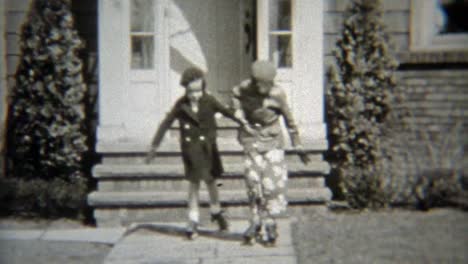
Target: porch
[(143, 48)]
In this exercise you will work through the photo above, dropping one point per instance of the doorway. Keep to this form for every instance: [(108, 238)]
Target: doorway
[(217, 36)]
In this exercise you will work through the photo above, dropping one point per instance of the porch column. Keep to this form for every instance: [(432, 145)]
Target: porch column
[(308, 95), (113, 81), (303, 78), (132, 98)]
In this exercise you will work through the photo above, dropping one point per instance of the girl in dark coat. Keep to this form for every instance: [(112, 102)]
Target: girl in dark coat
[(195, 112)]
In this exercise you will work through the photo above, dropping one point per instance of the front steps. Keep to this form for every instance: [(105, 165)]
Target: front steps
[(131, 191)]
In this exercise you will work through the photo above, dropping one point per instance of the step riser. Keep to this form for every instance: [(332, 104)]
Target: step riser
[(222, 133), (182, 185), (116, 217), (177, 159)]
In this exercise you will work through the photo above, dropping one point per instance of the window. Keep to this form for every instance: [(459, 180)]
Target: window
[(142, 34), (439, 25), (280, 33), (452, 17), (275, 32)]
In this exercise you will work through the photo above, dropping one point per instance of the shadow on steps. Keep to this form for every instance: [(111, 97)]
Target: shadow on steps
[(175, 230)]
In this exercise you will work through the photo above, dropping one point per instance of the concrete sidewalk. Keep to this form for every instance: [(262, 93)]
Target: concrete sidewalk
[(162, 243), (166, 244), (59, 242), (91, 235)]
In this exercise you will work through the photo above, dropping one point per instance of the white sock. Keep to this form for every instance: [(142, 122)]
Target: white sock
[(194, 216), (215, 208)]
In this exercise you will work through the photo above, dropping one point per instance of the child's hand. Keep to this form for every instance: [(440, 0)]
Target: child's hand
[(302, 154), (150, 156), (250, 130)]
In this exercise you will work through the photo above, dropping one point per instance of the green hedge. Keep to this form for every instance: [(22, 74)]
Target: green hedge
[(41, 198), (48, 135), (360, 96), (47, 131)]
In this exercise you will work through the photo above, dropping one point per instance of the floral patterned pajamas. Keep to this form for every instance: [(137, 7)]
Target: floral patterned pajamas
[(262, 106), (266, 176)]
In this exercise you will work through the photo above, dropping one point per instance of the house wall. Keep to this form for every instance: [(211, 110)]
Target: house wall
[(3, 98), (85, 14), (437, 99), (432, 89), (16, 11), (15, 15), (396, 18), (435, 84)]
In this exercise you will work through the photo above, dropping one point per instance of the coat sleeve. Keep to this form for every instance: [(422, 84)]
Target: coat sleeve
[(290, 122), (164, 126), (235, 101), (226, 111)]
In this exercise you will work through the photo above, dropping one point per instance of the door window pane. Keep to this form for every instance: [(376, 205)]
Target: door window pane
[(280, 15), (142, 16), (142, 52), (280, 32), (281, 50), (142, 34)]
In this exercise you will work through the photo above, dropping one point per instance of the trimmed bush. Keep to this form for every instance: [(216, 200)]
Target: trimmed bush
[(46, 126), (38, 197), (47, 129), (360, 95)]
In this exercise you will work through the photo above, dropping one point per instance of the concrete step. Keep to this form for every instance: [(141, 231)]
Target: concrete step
[(179, 199), (180, 184), (172, 145), (131, 191), (113, 209), (159, 177), (133, 171), (117, 217), (222, 132), (175, 158)]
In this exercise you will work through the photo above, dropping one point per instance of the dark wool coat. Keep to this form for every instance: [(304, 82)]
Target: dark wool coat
[(200, 153)]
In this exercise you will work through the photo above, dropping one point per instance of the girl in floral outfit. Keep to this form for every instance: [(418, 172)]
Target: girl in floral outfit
[(261, 103)]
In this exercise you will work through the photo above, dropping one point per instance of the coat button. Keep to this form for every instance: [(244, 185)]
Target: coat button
[(187, 139), (202, 138), (187, 126)]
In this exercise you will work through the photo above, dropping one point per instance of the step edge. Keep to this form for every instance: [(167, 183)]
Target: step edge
[(107, 199), (172, 145), (158, 170)]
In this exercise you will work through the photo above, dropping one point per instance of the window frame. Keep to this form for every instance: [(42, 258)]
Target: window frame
[(423, 37), (264, 35), (160, 42)]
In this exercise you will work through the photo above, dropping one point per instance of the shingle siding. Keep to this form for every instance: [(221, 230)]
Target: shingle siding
[(436, 97), (16, 11), (431, 94), (437, 100)]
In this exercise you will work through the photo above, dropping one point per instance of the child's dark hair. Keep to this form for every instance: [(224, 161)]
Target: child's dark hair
[(192, 74)]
